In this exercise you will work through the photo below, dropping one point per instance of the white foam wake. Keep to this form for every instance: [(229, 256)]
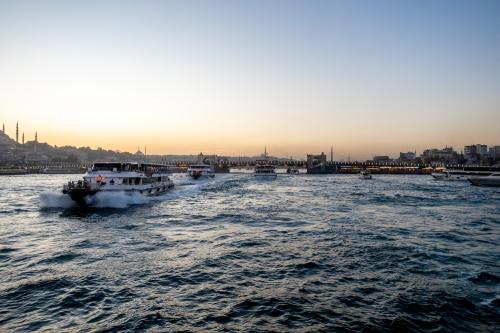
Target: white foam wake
[(120, 199), (55, 200), (117, 199)]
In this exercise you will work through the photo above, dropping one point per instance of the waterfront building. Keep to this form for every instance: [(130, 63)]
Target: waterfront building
[(317, 164), (446, 153), (382, 159), (495, 153), (409, 156), (139, 153), (473, 150), (445, 156)]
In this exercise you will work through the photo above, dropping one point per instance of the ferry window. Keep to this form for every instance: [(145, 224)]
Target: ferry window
[(137, 181), (159, 179), (125, 181), (112, 181)]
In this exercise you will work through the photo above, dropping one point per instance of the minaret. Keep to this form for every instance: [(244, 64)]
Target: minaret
[(265, 151), (36, 142), (23, 138), (17, 132), (331, 154), (3, 128)]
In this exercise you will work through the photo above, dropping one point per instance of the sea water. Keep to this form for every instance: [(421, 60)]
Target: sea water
[(299, 253)]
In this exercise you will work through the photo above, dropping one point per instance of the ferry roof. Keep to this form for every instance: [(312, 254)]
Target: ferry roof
[(126, 166)]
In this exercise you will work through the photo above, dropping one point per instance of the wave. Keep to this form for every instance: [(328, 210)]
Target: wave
[(117, 199), (56, 200)]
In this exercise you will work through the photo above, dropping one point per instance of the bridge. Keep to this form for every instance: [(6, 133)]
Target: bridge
[(224, 166)]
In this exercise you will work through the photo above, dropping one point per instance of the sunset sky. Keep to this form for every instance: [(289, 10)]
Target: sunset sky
[(228, 77)]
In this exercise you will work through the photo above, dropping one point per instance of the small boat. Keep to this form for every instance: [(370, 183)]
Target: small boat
[(365, 174), (144, 178), (439, 175), (200, 171), (265, 168), (491, 180), (459, 174)]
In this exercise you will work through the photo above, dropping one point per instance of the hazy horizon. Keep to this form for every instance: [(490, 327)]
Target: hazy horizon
[(227, 77)]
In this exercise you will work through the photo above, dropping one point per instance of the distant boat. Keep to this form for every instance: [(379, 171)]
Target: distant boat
[(143, 178), (491, 180), (365, 174), (292, 170), (264, 168), (450, 174), (200, 171)]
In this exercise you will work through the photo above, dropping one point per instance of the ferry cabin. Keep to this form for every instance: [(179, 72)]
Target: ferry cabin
[(147, 178), (264, 168)]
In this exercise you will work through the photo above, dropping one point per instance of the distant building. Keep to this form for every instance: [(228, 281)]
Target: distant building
[(139, 152), (317, 164), (382, 159), (446, 154), (473, 151), (409, 156), (316, 159), (495, 153), (35, 157)]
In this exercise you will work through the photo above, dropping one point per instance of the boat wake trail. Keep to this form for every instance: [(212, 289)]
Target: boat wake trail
[(120, 199), (117, 199)]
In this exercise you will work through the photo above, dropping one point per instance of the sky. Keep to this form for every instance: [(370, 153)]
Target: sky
[(228, 77)]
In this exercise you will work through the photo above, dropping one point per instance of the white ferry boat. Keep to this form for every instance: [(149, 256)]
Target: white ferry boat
[(200, 171), (491, 180), (450, 174), (144, 178), (265, 169)]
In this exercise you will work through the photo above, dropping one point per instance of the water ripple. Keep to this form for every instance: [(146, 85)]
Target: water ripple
[(302, 253)]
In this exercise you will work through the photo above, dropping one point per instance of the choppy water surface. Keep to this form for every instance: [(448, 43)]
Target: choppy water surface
[(305, 253)]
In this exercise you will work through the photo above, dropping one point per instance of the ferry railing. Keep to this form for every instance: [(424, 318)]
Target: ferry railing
[(79, 185)]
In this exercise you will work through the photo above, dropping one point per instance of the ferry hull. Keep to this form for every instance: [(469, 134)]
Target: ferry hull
[(321, 169), (81, 196), (485, 181)]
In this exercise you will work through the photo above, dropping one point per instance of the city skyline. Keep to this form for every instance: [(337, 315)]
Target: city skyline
[(464, 150), (369, 78)]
